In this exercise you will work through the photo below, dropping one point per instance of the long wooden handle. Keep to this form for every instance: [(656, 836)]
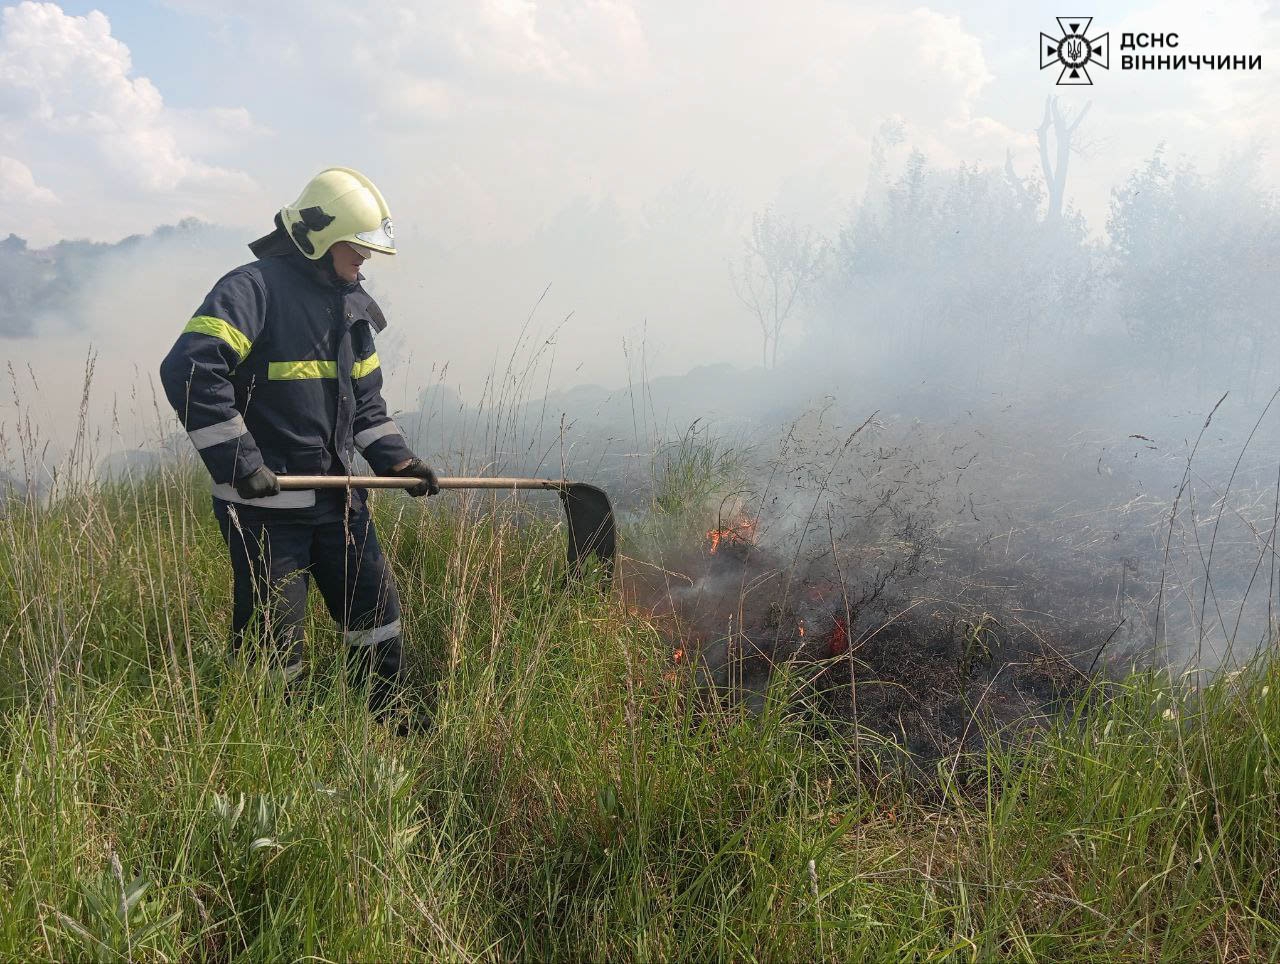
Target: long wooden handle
[(291, 482)]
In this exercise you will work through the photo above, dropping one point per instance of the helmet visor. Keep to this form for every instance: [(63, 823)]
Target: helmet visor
[(381, 238)]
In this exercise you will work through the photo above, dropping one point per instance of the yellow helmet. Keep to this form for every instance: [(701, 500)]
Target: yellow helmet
[(339, 204)]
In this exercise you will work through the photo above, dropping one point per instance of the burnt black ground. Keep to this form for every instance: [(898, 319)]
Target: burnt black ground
[(939, 658)]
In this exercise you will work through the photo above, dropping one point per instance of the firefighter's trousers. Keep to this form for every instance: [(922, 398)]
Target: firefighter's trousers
[(272, 561)]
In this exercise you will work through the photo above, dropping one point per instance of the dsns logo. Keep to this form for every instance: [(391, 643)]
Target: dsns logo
[(1074, 50)]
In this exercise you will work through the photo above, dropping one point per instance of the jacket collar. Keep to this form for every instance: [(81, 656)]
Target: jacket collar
[(320, 272), (277, 244)]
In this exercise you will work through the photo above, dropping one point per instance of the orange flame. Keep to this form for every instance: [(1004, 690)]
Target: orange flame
[(736, 534), (838, 640), (678, 655)]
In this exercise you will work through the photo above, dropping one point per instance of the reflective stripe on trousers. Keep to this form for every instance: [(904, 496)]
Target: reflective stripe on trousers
[(272, 563), (367, 637)]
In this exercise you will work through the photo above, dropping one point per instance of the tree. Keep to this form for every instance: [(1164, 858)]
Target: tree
[(1193, 268), (943, 260), (1055, 173), (781, 262)]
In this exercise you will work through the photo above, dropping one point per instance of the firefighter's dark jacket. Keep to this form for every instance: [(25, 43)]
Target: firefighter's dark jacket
[(278, 367)]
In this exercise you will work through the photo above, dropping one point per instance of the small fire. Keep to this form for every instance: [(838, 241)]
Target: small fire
[(800, 629), (678, 655), (838, 641), (737, 534)]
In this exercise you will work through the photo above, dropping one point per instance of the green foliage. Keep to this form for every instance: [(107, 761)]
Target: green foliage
[(115, 920), (959, 252), (697, 479), (693, 471), (1190, 266), (577, 798)]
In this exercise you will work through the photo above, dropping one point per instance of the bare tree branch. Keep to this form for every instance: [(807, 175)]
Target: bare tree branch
[(781, 262), (1055, 174)]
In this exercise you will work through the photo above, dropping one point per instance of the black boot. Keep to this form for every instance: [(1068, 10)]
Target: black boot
[(379, 667)]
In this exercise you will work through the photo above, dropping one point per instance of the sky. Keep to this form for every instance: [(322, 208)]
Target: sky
[(487, 123), (486, 117)]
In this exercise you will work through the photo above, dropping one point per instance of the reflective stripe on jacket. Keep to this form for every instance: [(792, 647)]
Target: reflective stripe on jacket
[(278, 367)]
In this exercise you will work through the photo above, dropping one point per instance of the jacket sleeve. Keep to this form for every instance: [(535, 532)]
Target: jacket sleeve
[(377, 437), (196, 375)]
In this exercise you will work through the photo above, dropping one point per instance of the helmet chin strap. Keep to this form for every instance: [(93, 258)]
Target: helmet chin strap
[(278, 242), (321, 269), (325, 264)]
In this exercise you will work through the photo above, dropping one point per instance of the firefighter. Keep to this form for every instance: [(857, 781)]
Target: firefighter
[(275, 374)]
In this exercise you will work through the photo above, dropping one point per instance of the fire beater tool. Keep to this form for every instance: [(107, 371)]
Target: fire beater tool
[(590, 516)]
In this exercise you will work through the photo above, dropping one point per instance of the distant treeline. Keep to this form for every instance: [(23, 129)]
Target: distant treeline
[(38, 283), (1184, 280)]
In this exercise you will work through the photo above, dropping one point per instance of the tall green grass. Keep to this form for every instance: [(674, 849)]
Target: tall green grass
[(577, 798)]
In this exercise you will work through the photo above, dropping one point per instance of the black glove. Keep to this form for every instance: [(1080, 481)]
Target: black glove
[(419, 469), (258, 484)]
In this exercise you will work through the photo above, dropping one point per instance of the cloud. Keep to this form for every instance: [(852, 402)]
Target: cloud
[(591, 44), (548, 100), (18, 185), (464, 44), (68, 93), (483, 120)]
